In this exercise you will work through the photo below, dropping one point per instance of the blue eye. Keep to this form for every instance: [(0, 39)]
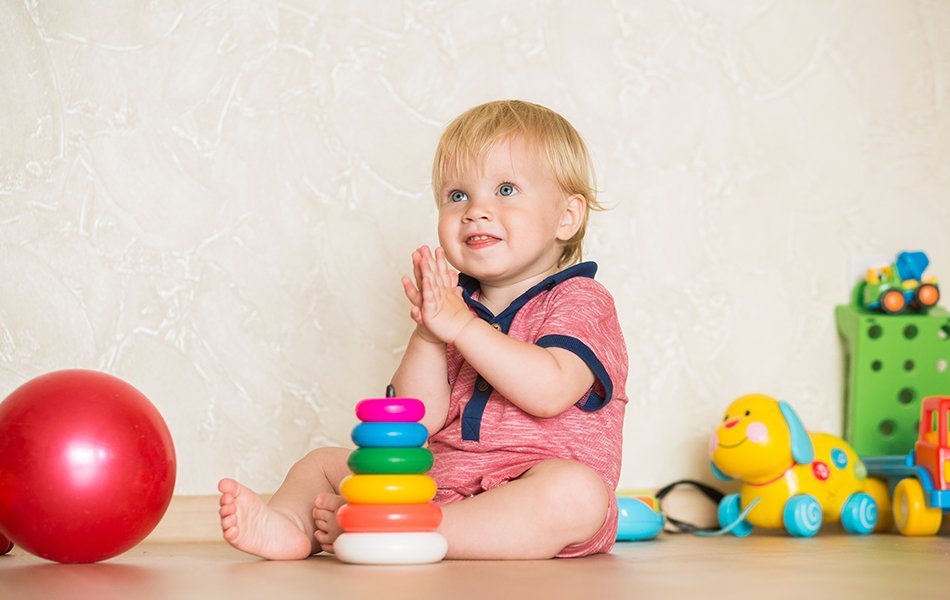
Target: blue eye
[(506, 189), (457, 196)]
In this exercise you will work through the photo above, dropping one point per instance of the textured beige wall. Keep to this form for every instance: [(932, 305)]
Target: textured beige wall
[(215, 200)]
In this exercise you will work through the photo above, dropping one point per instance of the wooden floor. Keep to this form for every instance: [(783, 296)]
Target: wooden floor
[(768, 565)]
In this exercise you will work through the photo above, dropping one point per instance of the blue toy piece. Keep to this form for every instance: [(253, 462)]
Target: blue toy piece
[(389, 435), (637, 520), (859, 514), (911, 265), (802, 515), (729, 516)]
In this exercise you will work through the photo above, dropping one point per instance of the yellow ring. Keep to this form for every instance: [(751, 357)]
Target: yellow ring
[(387, 489)]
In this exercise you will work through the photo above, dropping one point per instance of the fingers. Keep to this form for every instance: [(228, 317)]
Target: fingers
[(411, 291), (442, 269), (417, 258)]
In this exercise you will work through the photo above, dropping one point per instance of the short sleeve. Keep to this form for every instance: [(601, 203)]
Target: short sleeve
[(581, 318)]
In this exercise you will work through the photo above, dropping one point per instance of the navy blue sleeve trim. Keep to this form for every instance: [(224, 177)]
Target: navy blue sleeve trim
[(594, 401)]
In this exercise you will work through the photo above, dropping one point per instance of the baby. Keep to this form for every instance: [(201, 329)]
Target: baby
[(517, 354)]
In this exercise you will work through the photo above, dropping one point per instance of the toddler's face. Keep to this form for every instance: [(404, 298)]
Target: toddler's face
[(502, 221)]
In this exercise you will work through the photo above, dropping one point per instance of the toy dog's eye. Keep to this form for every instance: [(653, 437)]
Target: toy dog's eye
[(747, 413), (725, 418)]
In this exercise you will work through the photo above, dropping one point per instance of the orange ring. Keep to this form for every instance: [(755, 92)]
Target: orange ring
[(363, 518)]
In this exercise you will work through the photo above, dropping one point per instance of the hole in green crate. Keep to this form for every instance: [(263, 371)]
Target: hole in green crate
[(876, 365), (905, 396), (875, 331), (941, 365), (908, 365), (887, 427), (944, 332), (910, 332)]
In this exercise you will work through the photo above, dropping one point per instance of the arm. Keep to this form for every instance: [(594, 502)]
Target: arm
[(422, 372), (543, 382)]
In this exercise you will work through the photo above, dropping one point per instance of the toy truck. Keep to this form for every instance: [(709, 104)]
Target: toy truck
[(921, 480), (901, 285)]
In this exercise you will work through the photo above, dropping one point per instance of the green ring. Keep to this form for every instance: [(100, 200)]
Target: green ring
[(386, 461)]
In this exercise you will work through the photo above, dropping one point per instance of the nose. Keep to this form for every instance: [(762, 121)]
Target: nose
[(477, 210)]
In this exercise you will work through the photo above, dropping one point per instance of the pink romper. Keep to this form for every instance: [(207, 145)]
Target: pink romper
[(488, 441)]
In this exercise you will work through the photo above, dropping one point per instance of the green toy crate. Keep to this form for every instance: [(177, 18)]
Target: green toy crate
[(891, 363)]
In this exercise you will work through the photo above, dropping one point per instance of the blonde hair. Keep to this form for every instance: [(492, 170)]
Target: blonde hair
[(473, 133)]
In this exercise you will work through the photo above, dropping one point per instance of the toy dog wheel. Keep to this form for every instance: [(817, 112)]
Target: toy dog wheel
[(802, 515), (729, 511), (859, 514)]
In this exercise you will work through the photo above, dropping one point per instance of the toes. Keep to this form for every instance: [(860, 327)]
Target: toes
[(323, 537), (330, 502), (322, 515), (228, 486), (230, 533)]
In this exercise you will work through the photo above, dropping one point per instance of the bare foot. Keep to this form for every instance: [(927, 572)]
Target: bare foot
[(324, 518), (253, 527)]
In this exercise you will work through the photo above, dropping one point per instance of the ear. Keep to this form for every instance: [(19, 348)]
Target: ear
[(717, 473), (802, 449), (572, 217)]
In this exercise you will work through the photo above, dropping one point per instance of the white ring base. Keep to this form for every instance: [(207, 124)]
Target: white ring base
[(411, 548)]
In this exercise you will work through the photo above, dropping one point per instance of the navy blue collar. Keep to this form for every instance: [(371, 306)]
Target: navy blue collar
[(470, 285)]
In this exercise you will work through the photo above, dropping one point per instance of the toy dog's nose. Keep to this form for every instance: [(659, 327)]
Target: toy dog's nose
[(732, 423)]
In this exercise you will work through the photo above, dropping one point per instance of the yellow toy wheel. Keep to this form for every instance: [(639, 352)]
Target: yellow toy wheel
[(911, 513)]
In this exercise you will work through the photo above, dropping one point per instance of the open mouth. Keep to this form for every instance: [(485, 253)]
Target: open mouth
[(480, 240)]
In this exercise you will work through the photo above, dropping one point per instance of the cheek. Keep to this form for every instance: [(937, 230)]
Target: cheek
[(713, 443), (757, 432)]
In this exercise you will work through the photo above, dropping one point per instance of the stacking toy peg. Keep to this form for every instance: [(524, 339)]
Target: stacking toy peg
[(389, 517)]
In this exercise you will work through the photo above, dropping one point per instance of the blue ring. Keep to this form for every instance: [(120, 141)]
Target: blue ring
[(389, 435)]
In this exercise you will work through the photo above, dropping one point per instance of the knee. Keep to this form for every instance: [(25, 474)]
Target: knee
[(320, 459), (316, 456), (578, 491)]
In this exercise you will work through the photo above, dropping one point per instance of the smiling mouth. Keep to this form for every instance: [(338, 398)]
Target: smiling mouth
[(736, 445), (477, 241)]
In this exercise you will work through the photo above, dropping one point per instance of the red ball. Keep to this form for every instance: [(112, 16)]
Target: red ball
[(87, 466)]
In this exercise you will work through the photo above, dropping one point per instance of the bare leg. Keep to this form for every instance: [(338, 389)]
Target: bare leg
[(554, 504), (282, 529)]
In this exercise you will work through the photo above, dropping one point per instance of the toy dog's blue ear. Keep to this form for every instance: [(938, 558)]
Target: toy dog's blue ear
[(802, 449), (717, 473)]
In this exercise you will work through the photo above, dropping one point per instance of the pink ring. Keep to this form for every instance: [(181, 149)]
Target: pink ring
[(400, 410)]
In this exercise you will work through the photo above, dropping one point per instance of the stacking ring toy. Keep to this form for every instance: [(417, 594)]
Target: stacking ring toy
[(403, 410), (385, 435), (389, 517), (387, 489), (390, 460), (391, 548)]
